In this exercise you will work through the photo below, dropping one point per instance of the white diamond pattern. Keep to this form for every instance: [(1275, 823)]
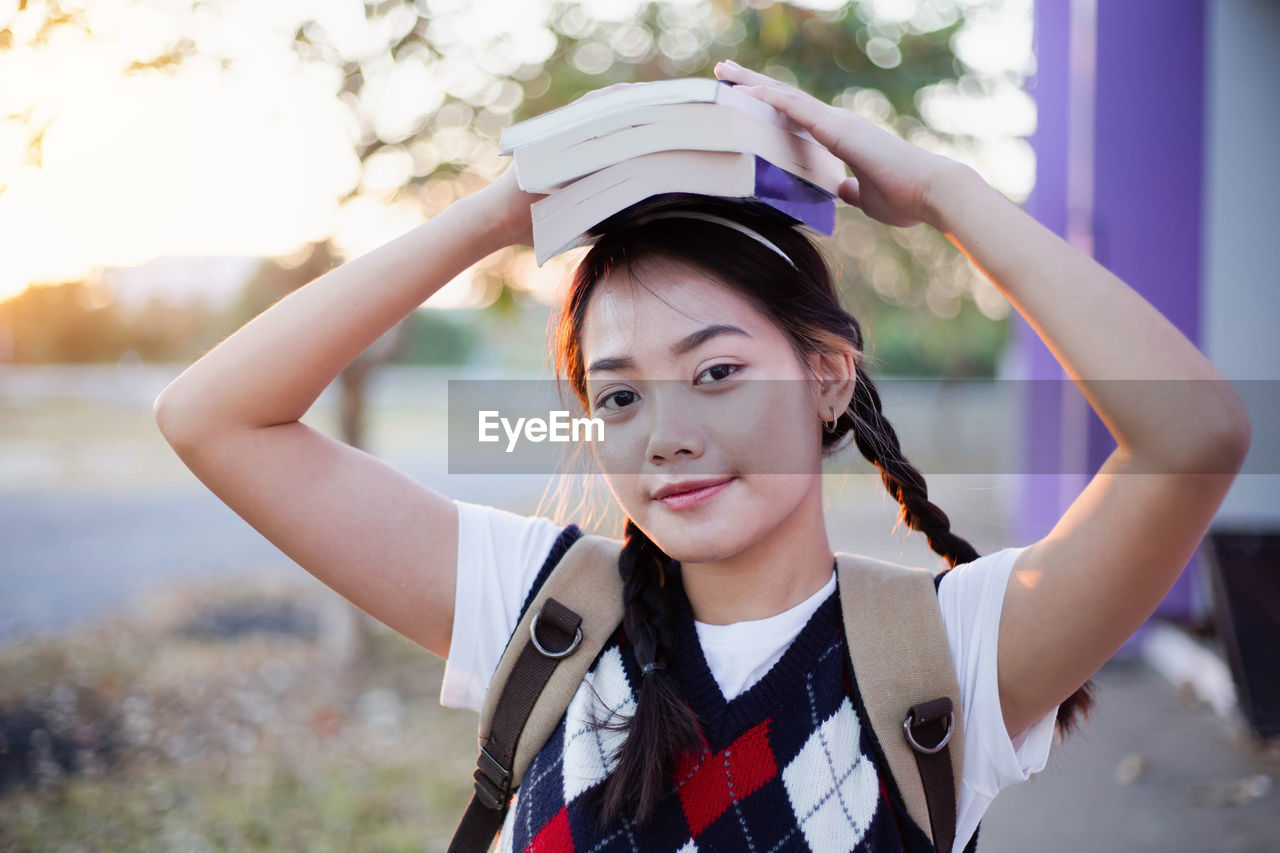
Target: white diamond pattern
[(832, 786), (604, 695)]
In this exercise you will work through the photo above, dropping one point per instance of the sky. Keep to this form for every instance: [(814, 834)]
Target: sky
[(203, 160)]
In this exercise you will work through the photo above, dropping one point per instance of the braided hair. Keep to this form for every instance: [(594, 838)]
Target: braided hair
[(663, 727), (801, 301)]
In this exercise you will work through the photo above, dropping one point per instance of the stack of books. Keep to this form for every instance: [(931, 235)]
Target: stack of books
[(622, 149)]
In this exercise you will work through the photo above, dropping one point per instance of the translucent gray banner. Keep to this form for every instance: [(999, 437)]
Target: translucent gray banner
[(732, 426)]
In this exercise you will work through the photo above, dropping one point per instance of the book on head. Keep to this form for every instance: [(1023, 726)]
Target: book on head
[(560, 158), (634, 96), (571, 216), (633, 146)]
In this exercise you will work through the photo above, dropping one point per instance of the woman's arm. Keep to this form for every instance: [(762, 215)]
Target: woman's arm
[(1080, 592), (1075, 596), (377, 537)]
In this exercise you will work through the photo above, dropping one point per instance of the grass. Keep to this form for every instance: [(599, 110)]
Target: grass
[(250, 743)]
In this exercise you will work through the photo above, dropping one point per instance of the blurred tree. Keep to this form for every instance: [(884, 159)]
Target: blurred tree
[(431, 83), (81, 321), (468, 75), (72, 321), (440, 337), (276, 279)]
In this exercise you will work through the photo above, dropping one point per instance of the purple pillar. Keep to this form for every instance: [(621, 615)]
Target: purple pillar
[(1120, 98), (1148, 154), (1040, 504)]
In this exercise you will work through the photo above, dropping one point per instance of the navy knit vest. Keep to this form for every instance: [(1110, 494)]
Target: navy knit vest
[(791, 764)]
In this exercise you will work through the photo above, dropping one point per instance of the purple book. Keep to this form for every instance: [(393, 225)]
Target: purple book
[(795, 197)]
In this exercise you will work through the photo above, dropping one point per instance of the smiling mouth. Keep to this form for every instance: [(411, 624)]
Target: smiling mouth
[(693, 497)]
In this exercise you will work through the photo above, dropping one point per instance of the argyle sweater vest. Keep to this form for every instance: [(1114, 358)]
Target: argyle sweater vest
[(791, 764)]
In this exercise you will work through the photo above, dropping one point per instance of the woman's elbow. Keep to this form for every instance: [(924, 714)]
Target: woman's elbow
[(1217, 438), (1235, 435), (175, 417)]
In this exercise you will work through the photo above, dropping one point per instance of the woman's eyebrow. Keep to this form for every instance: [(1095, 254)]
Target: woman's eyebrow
[(684, 345)]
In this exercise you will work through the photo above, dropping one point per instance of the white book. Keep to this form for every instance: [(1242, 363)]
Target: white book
[(624, 119), (686, 90), (556, 160)]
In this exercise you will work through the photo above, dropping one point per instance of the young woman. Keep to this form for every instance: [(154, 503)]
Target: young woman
[(731, 721)]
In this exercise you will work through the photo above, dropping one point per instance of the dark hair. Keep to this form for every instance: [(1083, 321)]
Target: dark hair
[(802, 302)]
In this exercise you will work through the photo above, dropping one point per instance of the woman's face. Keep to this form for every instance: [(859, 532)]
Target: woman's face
[(697, 388)]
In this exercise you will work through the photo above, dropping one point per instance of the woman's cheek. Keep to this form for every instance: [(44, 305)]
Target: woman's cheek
[(768, 432), (619, 458), (621, 451)]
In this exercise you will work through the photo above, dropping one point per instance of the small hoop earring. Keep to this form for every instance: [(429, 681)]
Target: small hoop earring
[(831, 427)]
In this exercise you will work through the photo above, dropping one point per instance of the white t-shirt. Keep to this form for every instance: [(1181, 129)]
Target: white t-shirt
[(500, 553)]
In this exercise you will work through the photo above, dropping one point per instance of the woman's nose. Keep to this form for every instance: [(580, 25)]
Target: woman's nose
[(675, 430)]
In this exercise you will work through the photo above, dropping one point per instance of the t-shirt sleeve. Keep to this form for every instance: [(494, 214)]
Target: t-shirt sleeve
[(971, 597), (499, 554)]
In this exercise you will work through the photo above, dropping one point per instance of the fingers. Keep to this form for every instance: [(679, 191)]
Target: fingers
[(828, 125), (822, 120), (849, 193), (732, 71), (805, 109), (748, 79), (848, 135)]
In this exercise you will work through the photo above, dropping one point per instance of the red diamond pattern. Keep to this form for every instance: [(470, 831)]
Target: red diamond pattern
[(555, 837), (712, 783)]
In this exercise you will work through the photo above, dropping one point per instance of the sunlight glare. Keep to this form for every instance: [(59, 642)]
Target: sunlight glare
[(132, 167), (198, 159)]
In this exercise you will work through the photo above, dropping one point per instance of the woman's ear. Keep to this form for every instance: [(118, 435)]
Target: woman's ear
[(836, 376)]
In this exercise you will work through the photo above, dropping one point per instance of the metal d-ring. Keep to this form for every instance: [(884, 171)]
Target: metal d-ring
[(911, 738), (533, 635)]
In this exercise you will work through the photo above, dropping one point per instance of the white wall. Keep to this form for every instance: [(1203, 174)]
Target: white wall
[(1240, 311)]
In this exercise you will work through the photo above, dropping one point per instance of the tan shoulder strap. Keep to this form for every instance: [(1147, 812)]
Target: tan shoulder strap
[(902, 660), (586, 580), (562, 630), (886, 607)]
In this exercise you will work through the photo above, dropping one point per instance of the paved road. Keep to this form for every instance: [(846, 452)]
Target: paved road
[(1077, 804), (70, 557), (73, 556)]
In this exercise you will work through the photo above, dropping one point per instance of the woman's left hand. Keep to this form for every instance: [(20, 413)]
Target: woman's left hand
[(894, 181)]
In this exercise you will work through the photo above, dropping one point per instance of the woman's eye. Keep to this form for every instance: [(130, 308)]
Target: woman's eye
[(621, 398), (716, 372)]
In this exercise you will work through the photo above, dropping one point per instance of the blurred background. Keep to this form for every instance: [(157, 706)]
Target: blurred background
[(170, 168)]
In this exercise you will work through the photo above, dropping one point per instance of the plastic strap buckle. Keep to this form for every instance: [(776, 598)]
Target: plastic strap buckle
[(493, 781)]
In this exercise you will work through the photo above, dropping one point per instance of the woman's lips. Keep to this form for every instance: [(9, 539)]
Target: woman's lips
[(684, 500)]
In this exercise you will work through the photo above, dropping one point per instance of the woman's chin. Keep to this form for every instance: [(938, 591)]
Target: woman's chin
[(700, 553), (702, 541)]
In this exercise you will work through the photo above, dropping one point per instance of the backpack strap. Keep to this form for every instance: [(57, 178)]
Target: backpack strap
[(902, 662), (563, 629), (908, 697)]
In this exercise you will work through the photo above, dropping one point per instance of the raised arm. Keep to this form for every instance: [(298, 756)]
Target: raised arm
[(380, 539), (1076, 595)]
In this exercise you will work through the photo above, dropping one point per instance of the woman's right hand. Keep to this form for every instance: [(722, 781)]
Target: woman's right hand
[(893, 179), (507, 209), (508, 205)]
